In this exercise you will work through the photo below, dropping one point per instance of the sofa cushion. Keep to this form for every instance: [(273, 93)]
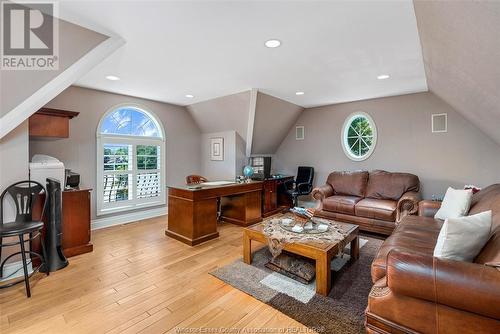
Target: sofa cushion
[(386, 185), (348, 183), (383, 209), (342, 204), (414, 234), (456, 203), (461, 239)]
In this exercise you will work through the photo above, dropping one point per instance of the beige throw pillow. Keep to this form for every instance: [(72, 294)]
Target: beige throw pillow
[(463, 238), (456, 203)]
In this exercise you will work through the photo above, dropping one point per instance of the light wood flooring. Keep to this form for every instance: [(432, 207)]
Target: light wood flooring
[(137, 280)]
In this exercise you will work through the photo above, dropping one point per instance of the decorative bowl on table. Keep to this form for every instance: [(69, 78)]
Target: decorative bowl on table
[(310, 226)]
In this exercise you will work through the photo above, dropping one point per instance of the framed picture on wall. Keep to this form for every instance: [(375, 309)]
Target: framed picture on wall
[(217, 149)]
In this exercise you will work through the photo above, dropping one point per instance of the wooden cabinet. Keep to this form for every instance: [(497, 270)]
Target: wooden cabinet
[(270, 196), (48, 122), (272, 200), (76, 222)]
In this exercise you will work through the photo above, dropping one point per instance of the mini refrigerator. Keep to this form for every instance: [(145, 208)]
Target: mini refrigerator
[(44, 166)]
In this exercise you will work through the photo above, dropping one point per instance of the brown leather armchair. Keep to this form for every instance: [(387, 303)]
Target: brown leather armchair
[(415, 292), (376, 200)]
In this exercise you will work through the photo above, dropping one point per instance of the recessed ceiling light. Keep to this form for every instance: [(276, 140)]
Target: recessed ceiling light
[(112, 77), (273, 43), (383, 76), (299, 93), (189, 96)]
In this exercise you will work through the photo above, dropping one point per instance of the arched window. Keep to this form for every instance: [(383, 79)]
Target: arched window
[(359, 136), (130, 160)]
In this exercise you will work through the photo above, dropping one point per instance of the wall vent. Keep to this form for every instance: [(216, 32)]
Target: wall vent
[(439, 123), (299, 133)]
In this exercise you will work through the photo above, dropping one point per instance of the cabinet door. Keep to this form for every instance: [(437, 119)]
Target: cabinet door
[(76, 218), (270, 196)]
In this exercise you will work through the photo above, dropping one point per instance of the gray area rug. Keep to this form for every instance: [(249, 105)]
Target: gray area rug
[(341, 312)]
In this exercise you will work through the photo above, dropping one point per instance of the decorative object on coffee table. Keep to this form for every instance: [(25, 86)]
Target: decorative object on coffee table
[(319, 247)]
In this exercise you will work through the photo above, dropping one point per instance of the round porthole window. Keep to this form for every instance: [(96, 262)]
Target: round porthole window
[(359, 136)]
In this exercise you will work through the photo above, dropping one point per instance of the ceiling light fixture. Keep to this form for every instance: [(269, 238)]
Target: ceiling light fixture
[(383, 76), (299, 93), (112, 77), (189, 96), (273, 43)]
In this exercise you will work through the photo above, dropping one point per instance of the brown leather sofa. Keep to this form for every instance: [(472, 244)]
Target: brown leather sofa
[(376, 201), (415, 292)]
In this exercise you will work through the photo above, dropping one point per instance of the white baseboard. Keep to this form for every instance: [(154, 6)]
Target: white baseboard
[(12, 267), (125, 218)]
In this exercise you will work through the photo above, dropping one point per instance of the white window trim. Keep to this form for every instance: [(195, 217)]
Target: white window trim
[(345, 128), (104, 138)]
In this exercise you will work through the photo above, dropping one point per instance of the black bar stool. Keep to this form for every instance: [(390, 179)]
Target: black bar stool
[(24, 194)]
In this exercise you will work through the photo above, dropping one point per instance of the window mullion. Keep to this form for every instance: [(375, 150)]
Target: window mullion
[(134, 171)]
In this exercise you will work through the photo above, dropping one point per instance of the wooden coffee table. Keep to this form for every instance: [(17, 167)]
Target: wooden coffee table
[(321, 252)]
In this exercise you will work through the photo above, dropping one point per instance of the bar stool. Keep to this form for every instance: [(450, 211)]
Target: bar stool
[(25, 195)]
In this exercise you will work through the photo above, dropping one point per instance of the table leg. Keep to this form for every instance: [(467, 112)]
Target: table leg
[(323, 275), (355, 248), (247, 249)]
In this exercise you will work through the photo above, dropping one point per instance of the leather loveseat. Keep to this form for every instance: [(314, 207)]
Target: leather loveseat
[(376, 200), (415, 292)]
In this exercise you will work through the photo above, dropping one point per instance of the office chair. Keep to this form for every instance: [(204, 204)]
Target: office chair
[(302, 185), (25, 195)]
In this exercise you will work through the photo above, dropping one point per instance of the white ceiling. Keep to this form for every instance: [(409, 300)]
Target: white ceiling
[(333, 51)]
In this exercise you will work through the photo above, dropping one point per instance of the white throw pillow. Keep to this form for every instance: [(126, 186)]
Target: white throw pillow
[(456, 203), (463, 238)]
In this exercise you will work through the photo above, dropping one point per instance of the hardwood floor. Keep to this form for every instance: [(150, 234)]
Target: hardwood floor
[(137, 280)]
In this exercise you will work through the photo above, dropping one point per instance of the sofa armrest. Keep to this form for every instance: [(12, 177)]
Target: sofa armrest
[(407, 205), (320, 193), (466, 286), (428, 208)]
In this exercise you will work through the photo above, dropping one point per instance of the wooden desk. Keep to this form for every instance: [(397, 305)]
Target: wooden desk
[(192, 213), (274, 200)]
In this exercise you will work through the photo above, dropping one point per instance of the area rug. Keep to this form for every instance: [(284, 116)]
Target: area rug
[(341, 312)]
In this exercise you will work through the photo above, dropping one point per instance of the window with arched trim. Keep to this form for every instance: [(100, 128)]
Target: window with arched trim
[(130, 160)]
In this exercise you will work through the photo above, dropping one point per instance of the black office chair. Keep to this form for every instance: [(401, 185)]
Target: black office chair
[(302, 185), (25, 195)]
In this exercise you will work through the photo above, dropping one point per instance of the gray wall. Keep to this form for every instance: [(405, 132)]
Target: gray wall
[(74, 42), (79, 151), (13, 167), (461, 156), (228, 168)]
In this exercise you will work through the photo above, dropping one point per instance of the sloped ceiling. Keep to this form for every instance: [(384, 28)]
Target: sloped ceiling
[(74, 42), (23, 92), (223, 114), (273, 119), (264, 122), (461, 50)]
